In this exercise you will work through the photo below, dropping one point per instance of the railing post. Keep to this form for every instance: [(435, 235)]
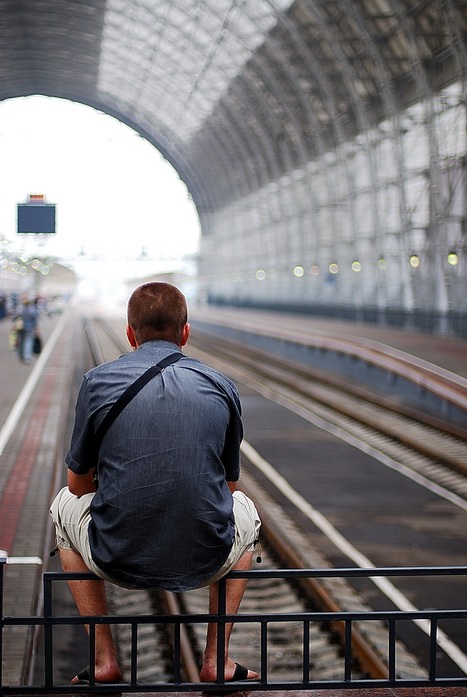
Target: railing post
[(264, 651), (392, 650), (177, 654), (348, 651), (134, 653), (3, 560), (48, 630), (221, 612), (306, 652), (433, 648)]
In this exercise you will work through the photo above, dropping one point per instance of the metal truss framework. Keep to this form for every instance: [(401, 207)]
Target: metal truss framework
[(323, 141)]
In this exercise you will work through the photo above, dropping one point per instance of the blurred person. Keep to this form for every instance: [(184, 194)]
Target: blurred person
[(3, 307), (26, 326)]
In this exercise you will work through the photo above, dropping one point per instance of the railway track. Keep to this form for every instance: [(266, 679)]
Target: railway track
[(284, 546), (429, 449)]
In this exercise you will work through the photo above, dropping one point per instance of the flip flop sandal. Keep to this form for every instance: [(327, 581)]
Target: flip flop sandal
[(84, 678), (240, 674)]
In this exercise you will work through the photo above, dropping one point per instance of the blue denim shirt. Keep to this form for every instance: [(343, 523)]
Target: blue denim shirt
[(162, 516)]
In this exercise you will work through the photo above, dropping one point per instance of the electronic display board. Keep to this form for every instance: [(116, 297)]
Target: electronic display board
[(36, 218)]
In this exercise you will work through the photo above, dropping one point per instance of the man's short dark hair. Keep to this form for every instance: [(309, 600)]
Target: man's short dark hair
[(157, 311)]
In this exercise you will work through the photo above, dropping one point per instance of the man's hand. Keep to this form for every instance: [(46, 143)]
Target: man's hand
[(80, 484)]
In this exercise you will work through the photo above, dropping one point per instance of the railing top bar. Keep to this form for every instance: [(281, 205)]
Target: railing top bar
[(353, 572), (307, 573), (3, 556), (242, 618)]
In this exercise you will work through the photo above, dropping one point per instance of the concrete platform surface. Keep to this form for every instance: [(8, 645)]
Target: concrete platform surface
[(352, 692)]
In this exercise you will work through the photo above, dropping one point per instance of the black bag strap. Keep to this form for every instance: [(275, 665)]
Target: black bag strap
[(131, 392)]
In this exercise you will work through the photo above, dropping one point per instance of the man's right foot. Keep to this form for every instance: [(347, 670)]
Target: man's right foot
[(233, 673)]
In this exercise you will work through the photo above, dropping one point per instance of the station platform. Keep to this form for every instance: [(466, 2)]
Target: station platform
[(446, 352), (34, 401), (33, 405), (372, 692)]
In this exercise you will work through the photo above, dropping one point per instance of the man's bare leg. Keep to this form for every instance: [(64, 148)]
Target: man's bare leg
[(234, 594), (90, 598)]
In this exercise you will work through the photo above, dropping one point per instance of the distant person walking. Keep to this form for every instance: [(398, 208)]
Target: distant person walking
[(3, 311), (27, 319)]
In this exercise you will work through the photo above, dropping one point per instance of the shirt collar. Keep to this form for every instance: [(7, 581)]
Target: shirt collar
[(158, 344)]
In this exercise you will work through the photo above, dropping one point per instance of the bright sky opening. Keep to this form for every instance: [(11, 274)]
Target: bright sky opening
[(116, 197)]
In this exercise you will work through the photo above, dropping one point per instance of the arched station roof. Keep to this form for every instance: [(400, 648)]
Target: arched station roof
[(234, 92)]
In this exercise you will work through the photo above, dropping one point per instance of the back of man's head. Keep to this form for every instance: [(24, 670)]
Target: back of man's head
[(157, 311)]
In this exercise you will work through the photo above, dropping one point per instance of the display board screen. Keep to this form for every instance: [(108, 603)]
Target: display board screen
[(36, 219)]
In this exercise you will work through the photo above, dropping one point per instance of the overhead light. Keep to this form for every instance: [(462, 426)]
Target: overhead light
[(453, 258), (298, 271)]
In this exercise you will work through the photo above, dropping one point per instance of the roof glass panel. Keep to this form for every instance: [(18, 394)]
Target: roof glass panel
[(210, 43)]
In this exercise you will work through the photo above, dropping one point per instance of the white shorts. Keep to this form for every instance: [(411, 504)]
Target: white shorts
[(71, 516), (247, 526)]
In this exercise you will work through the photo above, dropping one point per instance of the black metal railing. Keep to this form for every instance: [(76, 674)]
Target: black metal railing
[(349, 619)]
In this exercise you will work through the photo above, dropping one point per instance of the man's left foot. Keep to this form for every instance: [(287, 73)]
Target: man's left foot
[(84, 678)]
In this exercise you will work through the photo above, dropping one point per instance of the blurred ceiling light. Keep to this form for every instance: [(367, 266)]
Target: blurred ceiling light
[(382, 263), (453, 258)]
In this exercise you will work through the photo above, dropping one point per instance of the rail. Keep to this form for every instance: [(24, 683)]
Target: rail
[(177, 623)]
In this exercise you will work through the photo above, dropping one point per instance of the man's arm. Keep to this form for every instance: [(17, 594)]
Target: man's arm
[(232, 486), (80, 484)]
